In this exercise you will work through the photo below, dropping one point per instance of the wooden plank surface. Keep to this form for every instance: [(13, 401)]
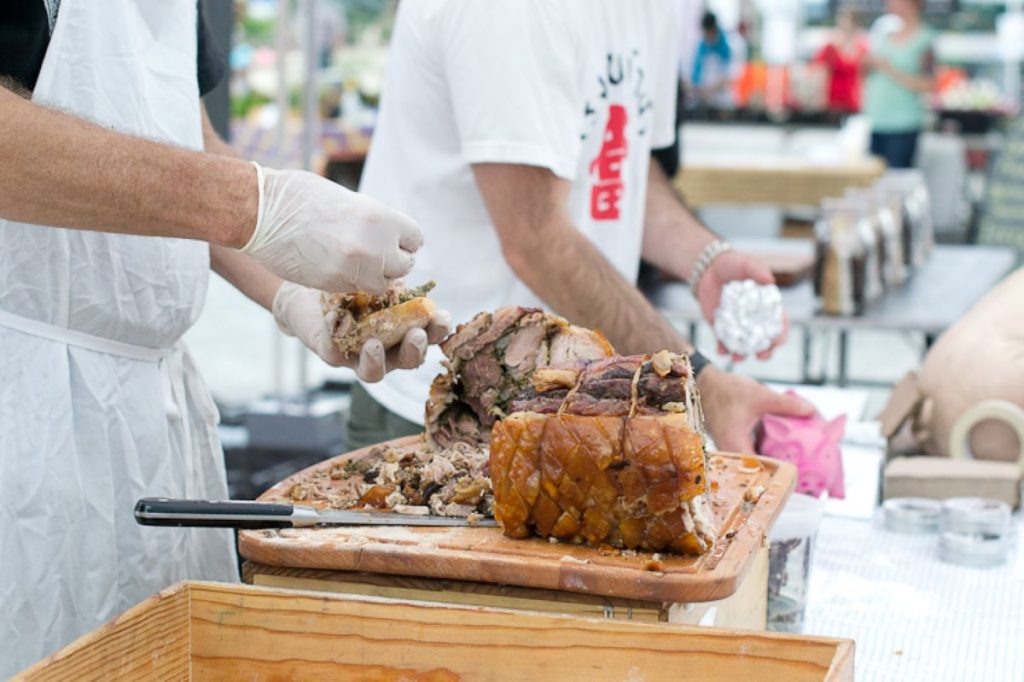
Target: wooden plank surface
[(746, 609), (150, 641), (457, 592), (485, 555), (250, 633), (782, 182)]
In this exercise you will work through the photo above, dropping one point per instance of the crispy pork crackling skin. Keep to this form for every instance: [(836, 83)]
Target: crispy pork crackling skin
[(606, 452), (387, 317)]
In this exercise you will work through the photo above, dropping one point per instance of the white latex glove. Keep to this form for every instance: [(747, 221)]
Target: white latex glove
[(314, 232), (298, 313)]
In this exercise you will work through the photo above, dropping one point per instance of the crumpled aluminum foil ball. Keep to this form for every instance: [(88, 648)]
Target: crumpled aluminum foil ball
[(749, 317)]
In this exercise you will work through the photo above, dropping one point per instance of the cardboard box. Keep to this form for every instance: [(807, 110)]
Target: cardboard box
[(939, 478)]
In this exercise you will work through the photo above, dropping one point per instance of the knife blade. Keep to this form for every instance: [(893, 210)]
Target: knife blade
[(161, 511)]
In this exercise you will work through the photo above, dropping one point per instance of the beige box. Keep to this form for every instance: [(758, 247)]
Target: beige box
[(939, 478)]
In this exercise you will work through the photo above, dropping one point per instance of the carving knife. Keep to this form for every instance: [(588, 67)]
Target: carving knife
[(160, 511)]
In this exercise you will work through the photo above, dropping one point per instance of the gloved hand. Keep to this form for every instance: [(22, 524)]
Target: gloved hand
[(316, 233), (298, 313)]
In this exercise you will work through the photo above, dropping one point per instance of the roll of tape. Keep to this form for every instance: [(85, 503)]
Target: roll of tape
[(1000, 410)]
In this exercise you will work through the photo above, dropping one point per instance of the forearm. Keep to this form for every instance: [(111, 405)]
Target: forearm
[(588, 290), (673, 236), (57, 169), (245, 274), (563, 268)]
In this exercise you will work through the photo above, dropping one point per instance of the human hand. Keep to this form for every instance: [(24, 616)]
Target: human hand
[(316, 233), (728, 267), (734, 404), (299, 313)]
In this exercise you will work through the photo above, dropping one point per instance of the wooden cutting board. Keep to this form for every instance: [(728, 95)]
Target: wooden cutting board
[(485, 555)]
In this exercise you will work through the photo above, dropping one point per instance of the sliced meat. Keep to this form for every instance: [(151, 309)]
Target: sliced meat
[(605, 387), (527, 346), (576, 343), (491, 360), (465, 346), (465, 333), (543, 403), (481, 373)]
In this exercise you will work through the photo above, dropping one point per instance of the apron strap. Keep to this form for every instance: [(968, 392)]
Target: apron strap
[(81, 339), (51, 12)]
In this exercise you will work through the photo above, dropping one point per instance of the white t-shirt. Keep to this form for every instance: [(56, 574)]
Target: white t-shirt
[(585, 88)]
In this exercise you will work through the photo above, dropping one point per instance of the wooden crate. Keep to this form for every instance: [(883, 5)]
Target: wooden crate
[(207, 631)]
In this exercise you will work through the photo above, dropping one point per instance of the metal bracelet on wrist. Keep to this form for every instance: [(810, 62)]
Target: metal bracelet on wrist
[(707, 256)]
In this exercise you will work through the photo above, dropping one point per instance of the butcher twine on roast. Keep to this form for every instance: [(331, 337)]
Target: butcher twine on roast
[(490, 360), (606, 452)]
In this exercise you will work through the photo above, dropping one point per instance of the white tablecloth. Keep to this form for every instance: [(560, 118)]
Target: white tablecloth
[(912, 616)]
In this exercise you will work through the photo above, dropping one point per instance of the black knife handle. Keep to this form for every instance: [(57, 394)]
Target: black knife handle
[(160, 511)]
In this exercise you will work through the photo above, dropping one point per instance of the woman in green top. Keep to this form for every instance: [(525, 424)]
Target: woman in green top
[(901, 66)]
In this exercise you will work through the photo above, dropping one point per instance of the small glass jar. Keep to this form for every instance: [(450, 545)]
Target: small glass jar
[(975, 532), (790, 557), (916, 515)]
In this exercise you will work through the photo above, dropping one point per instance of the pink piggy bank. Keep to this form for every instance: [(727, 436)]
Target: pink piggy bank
[(810, 443)]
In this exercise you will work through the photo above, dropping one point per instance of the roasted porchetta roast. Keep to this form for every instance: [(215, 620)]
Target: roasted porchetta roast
[(490, 359), (538, 423), (584, 446), (606, 452)]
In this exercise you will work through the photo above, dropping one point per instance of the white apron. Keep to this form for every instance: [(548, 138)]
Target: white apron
[(100, 403)]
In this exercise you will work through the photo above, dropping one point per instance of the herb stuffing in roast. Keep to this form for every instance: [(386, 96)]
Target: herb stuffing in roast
[(491, 359)]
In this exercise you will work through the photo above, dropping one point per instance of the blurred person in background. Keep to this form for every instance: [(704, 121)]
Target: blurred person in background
[(519, 134), (712, 66), (901, 66), (843, 58)]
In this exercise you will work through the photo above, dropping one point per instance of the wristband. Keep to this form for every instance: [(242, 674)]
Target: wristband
[(707, 256), (698, 361)]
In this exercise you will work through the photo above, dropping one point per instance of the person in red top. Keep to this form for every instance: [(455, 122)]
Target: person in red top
[(843, 57)]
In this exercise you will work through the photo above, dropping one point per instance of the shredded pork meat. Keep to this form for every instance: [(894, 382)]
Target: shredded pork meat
[(490, 360)]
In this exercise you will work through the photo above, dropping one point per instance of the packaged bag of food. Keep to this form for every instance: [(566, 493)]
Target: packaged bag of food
[(841, 260), (865, 208), (917, 212), (899, 239)]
